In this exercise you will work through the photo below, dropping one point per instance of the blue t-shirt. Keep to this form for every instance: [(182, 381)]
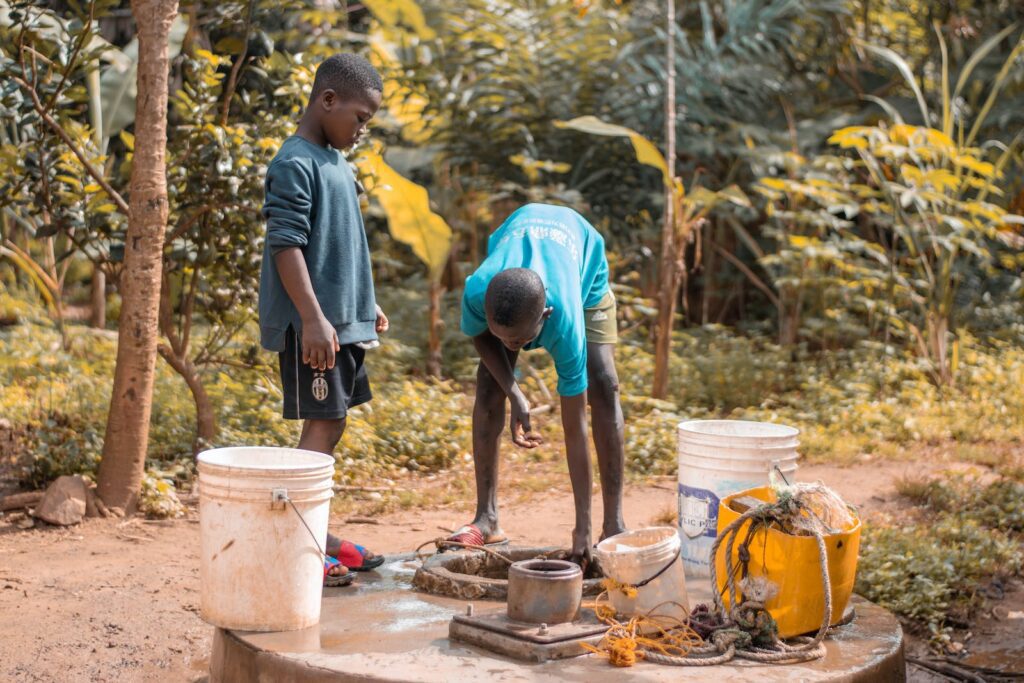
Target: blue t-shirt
[(568, 253)]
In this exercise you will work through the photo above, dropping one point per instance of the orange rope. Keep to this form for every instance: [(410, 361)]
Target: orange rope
[(625, 643)]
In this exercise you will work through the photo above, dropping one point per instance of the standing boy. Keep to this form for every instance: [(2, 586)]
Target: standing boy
[(317, 305), (544, 284)]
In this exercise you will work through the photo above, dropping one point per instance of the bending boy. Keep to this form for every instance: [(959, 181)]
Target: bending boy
[(544, 284)]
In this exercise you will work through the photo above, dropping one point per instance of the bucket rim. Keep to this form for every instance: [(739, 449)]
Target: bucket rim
[(313, 461), (671, 534), (778, 432)]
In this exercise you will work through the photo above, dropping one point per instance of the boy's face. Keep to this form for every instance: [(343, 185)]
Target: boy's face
[(515, 338), (344, 120)]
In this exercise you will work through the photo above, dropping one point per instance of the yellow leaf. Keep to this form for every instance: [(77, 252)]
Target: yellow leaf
[(938, 138), (208, 56), (92, 187), (646, 152), (774, 183), (912, 174), (408, 210), (902, 133), (106, 207), (128, 139), (941, 179), (982, 168), (851, 136), (401, 13)]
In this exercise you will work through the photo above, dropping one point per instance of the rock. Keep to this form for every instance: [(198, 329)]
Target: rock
[(26, 523), (64, 502)]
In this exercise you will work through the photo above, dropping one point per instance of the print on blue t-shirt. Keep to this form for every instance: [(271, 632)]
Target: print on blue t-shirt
[(568, 253)]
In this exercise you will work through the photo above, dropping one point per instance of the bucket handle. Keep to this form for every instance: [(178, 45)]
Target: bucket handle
[(646, 581), (778, 470), (281, 496), (661, 571)]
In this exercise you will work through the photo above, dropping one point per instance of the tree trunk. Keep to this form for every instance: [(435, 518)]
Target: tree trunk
[(790, 306), (435, 325), (668, 290), (127, 434), (98, 316), (206, 422)]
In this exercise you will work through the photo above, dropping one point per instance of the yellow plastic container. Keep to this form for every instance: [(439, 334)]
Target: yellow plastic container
[(792, 564)]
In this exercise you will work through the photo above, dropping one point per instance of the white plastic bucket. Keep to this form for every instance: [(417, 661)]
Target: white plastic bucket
[(261, 569), (635, 556), (718, 458)]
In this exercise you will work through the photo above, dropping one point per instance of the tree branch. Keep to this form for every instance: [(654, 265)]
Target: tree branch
[(229, 90), (186, 312), (114, 195), (186, 225), (86, 30)]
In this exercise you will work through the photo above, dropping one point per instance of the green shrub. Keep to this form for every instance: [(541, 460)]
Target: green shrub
[(932, 573), (998, 504), (55, 444)]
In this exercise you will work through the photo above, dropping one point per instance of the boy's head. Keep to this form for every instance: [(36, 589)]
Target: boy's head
[(515, 307), (346, 95)]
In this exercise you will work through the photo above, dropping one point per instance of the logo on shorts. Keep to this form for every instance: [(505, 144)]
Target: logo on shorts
[(319, 387), (599, 316)]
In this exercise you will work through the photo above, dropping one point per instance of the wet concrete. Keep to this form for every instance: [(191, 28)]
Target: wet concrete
[(383, 630)]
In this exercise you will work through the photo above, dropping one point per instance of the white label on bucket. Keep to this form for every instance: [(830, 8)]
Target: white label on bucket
[(698, 512)]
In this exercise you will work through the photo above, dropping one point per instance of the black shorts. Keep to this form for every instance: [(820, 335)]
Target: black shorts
[(314, 395)]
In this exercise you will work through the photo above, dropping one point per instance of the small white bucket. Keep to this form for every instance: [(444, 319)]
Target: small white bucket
[(718, 458), (633, 557), (261, 567)]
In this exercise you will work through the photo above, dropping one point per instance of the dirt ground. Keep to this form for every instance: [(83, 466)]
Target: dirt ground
[(117, 600)]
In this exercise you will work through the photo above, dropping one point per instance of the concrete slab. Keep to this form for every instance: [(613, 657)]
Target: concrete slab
[(382, 630)]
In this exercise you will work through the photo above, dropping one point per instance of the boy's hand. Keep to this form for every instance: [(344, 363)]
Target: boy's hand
[(382, 321), (522, 435), (319, 344)]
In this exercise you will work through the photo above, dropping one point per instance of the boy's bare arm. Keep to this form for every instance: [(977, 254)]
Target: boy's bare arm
[(494, 358), (319, 340)]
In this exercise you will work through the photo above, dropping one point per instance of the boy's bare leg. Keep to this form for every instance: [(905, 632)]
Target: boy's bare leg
[(488, 425), (323, 436), (608, 428)]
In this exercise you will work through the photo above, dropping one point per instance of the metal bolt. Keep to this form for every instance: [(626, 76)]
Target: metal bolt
[(469, 610), (543, 630)]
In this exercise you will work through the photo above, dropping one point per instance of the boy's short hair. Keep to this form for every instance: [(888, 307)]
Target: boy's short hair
[(514, 296), (348, 75)]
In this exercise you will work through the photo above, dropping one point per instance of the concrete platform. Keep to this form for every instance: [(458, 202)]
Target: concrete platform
[(382, 630)]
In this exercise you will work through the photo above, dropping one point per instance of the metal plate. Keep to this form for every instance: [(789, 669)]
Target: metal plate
[(587, 625), (501, 635)]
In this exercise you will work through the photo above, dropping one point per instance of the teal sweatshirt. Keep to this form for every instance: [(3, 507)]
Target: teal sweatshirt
[(311, 202)]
